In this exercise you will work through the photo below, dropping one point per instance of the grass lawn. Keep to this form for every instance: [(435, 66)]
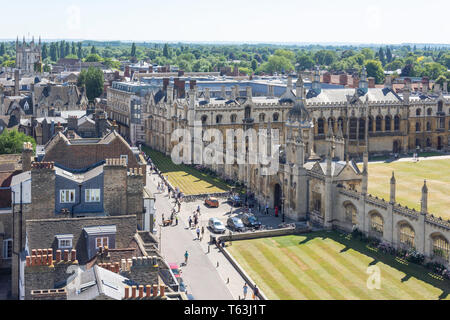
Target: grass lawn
[(330, 265), (409, 178), (189, 180)]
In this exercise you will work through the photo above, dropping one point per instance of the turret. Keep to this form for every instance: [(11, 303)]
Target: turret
[(365, 173), (299, 87), (249, 93), (424, 201)]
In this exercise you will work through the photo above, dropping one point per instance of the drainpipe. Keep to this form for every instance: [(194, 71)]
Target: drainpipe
[(79, 201)]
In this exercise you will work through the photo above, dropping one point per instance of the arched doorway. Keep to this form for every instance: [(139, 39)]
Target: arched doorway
[(396, 147), (277, 196), (439, 143)]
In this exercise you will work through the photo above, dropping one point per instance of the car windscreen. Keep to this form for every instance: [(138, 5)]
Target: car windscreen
[(217, 223)]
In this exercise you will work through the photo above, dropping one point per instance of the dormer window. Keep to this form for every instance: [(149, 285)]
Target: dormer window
[(65, 241)]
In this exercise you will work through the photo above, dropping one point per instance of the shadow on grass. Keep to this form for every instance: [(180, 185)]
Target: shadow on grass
[(410, 270)]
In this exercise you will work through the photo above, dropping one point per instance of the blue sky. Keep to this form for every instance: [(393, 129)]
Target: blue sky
[(381, 21)]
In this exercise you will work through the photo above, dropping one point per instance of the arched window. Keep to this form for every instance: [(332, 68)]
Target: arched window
[(376, 224), (378, 123), (233, 118), (370, 124), (428, 143), (275, 116), (204, 119), (429, 111), (351, 213), (387, 123), (440, 106), (341, 123), (417, 143), (396, 123), (320, 126), (362, 129), (407, 235), (262, 117), (417, 126), (440, 247), (418, 112), (219, 118), (248, 112), (353, 127), (428, 126)]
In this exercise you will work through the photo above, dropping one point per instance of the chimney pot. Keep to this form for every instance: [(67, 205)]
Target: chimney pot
[(28, 261), (44, 252), (141, 291), (155, 290), (133, 292), (50, 259), (44, 260), (117, 265), (39, 252), (127, 292), (58, 256), (162, 290), (148, 290), (33, 260), (34, 252), (38, 260), (66, 255), (73, 255)]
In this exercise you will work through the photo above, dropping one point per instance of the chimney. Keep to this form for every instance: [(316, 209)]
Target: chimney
[(343, 79), (133, 292), (73, 255), (28, 261), (141, 291), (51, 112), (162, 290), (425, 84), (127, 72), (155, 290), (59, 127), (150, 69), (326, 77), (355, 81), (72, 123), (249, 91), (27, 154), (114, 126), (437, 88), (127, 292), (388, 82), (148, 290), (165, 83), (445, 87), (66, 255), (180, 73), (371, 82), (207, 95), (58, 256)]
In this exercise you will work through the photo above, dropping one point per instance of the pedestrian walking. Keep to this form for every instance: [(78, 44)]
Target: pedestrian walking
[(163, 217), (203, 232), (176, 220), (245, 288), (267, 209), (190, 222), (255, 292), (186, 256), (195, 220), (179, 206), (198, 233), (198, 208), (276, 211)]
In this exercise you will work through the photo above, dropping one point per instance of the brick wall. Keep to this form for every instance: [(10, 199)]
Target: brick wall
[(114, 191), (42, 191)]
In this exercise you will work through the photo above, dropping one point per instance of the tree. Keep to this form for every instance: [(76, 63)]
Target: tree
[(93, 50), (381, 56), (166, 51), (93, 57), (93, 80), (441, 79), (277, 64), (368, 53), (11, 141), (388, 55), (54, 51), (73, 50), (133, 50), (254, 64), (2, 49), (66, 49), (44, 51), (305, 62), (79, 51), (374, 69)]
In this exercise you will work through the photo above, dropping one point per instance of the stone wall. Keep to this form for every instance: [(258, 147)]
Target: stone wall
[(143, 270), (42, 190), (115, 186)]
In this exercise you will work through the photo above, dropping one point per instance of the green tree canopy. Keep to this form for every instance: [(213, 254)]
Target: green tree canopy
[(278, 64), (374, 69), (93, 57), (11, 141), (93, 80)]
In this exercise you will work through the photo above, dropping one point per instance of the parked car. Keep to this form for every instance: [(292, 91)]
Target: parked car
[(235, 201), (216, 225), (212, 202), (175, 270), (235, 224), (251, 221)]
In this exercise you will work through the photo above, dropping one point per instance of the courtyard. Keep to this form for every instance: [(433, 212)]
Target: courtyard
[(189, 180), (331, 265), (409, 181)]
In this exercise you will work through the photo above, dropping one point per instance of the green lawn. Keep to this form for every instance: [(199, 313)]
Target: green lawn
[(330, 265), (188, 179), (409, 181)]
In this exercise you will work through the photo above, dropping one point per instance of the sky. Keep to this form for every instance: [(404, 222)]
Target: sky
[(260, 21)]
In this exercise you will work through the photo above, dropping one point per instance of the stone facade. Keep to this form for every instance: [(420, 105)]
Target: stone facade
[(28, 55)]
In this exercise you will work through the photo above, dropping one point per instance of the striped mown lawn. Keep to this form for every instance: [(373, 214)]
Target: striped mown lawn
[(189, 180), (409, 181), (330, 265)]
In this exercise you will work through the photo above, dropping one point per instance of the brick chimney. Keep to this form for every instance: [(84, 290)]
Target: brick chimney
[(371, 81), (27, 154), (326, 77), (343, 79), (425, 84), (165, 83), (59, 127), (127, 72), (72, 123)]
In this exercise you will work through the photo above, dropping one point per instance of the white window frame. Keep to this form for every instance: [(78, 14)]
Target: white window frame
[(67, 246), (102, 242), (63, 193), (5, 248), (92, 195)]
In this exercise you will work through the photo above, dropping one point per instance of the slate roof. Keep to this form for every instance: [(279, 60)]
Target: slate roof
[(340, 95), (79, 177)]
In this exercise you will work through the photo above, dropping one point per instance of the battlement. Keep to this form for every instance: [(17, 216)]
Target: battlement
[(43, 165)]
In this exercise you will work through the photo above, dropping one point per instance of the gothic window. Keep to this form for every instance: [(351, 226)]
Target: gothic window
[(428, 126), (440, 247), (376, 223), (233, 118), (440, 105), (275, 117), (247, 112), (418, 112), (396, 123), (341, 123), (204, 118), (371, 124), (320, 126), (417, 143), (353, 128), (262, 117), (351, 213), (387, 123), (407, 235), (429, 111), (428, 142), (219, 118), (362, 129), (378, 123), (417, 126)]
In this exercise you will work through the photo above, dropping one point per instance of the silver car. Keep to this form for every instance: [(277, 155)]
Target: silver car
[(216, 225)]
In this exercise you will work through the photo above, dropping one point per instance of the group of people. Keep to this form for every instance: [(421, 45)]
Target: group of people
[(255, 291)]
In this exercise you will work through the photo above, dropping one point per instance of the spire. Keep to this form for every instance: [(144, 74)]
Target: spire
[(289, 83), (299, 87), (39, 40), (316, 81), (392, 195), (330, 131), (339, 134), (328, 160), (424, 201), (23, 39)]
